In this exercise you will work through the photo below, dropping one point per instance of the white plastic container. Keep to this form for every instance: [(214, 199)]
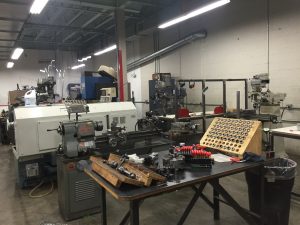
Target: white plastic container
[(30, 98)]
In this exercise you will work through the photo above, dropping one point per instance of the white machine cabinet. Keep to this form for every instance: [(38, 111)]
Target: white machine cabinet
[(31, 124)]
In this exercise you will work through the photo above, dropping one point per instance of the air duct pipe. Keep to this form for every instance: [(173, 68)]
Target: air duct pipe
[(166, 50)]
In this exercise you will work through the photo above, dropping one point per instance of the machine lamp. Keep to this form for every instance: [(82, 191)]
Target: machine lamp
[(38, 6), (194, 13), (10, 65), (17, 53), (101, 52), (78, 66)]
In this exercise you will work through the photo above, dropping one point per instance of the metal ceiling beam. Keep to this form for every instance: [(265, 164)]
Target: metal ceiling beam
[(72, 20), (13, 2), (50, 47), (141, 3), (99, 26), (8, 47), (83, 26), (36, 42), (94, 5), (51, 20), (89, 10), (12, 19), (105, 21), (3, 39), (45, 43), (9, 31), (58, 27)]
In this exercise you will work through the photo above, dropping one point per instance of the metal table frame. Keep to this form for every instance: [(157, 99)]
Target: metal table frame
[(224, 94), (218, 191), (273, 134)]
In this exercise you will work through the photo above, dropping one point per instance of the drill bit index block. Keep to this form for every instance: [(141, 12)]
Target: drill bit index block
[(234, 136)]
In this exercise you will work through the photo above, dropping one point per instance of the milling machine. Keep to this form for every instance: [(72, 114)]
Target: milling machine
[(164, 95), (268, 103), (264, 100)]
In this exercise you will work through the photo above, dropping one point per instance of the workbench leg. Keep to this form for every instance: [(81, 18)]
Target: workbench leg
[(234, 204), (125, 219), (191, 203), (103, 207), (216, 203), (134, 212), (262, 196), (272, 142)]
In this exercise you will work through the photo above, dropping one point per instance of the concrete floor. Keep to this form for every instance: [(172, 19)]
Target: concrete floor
[(18, 209)]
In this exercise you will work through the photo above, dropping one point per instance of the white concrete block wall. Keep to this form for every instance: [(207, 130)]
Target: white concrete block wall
[(236, 47), (26, 71)]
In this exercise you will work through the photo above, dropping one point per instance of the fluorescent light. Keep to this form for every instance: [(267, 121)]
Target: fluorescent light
[(78, 66), (84, 58), (38, 6), (105, 50), (194, 13), (10, 65), (17, 53), (43, 71)]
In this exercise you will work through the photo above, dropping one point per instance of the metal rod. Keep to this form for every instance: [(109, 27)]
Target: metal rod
[(207, 104), (203, 107), (246, 94), (224, 96), (210, 80), (290, 121), (238, 104)]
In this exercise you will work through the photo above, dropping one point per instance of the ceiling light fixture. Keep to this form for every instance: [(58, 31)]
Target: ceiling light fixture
[(105, 50), (17, 53), (194, 13), (10, 65), (43, 71), (78, 66), (84, 58), (38, 6)]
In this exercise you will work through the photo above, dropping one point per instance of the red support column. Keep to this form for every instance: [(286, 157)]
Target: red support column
[(121, 76)]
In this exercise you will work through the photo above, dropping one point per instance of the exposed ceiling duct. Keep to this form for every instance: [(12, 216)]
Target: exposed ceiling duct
[(170, 48)]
